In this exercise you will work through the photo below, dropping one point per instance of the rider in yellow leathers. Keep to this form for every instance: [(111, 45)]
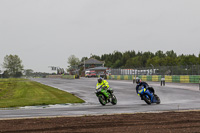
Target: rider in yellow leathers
[(105, 86)]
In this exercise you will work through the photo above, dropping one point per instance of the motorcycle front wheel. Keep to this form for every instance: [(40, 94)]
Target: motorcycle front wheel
[(102, 99), (147, 99)]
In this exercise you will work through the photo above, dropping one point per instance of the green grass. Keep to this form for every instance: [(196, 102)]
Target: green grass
[(23, 92)]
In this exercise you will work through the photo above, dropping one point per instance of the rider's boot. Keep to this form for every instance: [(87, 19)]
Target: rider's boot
[(108, 99)]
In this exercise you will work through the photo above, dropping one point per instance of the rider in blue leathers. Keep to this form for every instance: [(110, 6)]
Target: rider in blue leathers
[(143, 84)]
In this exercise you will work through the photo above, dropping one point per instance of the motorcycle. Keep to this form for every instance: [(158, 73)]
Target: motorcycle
[(100, 93), (148, 95)]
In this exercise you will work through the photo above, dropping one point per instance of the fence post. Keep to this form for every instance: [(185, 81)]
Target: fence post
[(172, 70), (192, 69)]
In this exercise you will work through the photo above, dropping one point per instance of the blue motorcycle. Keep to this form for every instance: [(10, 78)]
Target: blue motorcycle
[(148, 95)]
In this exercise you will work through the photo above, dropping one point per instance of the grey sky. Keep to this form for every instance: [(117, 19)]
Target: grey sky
[(46, 32)]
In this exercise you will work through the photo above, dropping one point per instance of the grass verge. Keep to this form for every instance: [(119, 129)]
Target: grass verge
[(23, 92)]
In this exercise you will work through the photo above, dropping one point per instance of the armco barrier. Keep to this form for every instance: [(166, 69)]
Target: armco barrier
[(157, 78)]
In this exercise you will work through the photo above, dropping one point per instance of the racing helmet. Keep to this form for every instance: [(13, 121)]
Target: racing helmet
[(138, 80), (100, 80)]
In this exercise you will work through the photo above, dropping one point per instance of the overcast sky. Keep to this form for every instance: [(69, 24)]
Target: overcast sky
[(46, 32)]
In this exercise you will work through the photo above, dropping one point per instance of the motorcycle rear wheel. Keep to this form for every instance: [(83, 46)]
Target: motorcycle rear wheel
[(157, 99), (114, 99), (102, 99)]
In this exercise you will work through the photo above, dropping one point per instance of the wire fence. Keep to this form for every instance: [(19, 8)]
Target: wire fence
[(159, 70)]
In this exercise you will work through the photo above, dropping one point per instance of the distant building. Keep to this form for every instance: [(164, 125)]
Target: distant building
[(91, 63)]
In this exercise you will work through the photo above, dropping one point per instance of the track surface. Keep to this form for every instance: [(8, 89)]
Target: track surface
[(173, 97)]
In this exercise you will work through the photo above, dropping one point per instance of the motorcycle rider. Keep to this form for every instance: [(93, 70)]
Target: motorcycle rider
[(140, 83), (105, 86)]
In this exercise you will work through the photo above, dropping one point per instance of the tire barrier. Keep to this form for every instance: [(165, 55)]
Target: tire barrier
[(157, 78)]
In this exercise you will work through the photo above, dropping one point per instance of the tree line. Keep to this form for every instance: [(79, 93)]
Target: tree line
[(132, 59), (14, 68), (129, 59)]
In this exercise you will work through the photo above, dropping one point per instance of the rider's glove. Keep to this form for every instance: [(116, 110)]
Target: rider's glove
[(104, 87), (138, 94)]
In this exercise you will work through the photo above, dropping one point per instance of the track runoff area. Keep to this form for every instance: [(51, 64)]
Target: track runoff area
[(174, 97)]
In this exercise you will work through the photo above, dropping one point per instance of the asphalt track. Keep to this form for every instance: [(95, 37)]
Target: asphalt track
[(174, 96)]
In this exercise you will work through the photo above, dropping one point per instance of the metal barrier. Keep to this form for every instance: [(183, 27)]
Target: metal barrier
[(159, 70)]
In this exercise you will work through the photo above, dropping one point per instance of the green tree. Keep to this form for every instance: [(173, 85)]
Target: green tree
[(83, 59), (116, 56), (188, 60), (73, 62), (155, 61), (145, 57), (199, 59), (160, 54), (28, 72), (95, 57), (13, 65), (5, 74), (117, 64), (125, 57), (171, 54), (108, 63), (170, 61), (134, 62)]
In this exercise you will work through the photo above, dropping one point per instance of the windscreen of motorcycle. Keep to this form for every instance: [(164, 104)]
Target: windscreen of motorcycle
[(98, 86)]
